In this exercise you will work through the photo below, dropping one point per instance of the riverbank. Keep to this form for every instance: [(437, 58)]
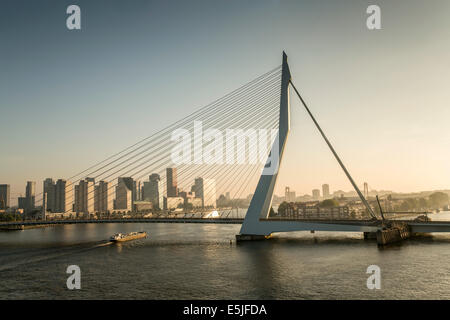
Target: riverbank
[(24, 227)]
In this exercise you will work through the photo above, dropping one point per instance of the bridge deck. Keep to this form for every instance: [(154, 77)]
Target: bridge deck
[(300, 224)]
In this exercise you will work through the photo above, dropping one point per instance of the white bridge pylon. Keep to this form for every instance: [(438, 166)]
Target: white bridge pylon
[(256, 225)]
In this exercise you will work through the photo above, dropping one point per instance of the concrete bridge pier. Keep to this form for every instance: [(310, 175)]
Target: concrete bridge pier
[(395, 233)]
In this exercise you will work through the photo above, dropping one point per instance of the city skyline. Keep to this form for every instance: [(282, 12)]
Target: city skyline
[(107, 198), (87, 195)]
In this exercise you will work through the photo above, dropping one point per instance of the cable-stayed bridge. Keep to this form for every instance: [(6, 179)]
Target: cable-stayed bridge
[(233, 145)]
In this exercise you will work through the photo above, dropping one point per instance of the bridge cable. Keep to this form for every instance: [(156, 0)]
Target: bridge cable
[(364, 201), (133, 174), (160, 133)]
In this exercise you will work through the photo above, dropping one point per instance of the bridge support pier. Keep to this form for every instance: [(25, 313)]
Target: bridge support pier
[(395, 233), (251, 237)]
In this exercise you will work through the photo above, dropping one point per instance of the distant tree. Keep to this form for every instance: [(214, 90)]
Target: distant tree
[(438, 199), (422, 204), (409, 204), (328, 203), (10, 217), (271, 212), (282, 208)]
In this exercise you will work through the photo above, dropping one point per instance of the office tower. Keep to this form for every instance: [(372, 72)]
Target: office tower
[(124, 193), (289, 195), (64, 197), (205, 189), (227, 196), (171, 176), (76, 203), (85, 196), (5, 194), (139, 192), (325, 191), (150, 190), (197, 188), (22, 203), (30, 195), (316, 194), (103, 200), (50, 193), (96, 198)]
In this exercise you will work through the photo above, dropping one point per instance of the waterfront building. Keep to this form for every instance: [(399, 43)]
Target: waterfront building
[(49, 195), (64, 197), (30, 195), (173, 203), (21, 203), (150, 191), (325, 191), (103, 201), (85, 196), (312, 210), (143, 206), (205, 189), (171, 178), (195, 202), (5, 194), (190, 199), (124, 194), (316, 194)]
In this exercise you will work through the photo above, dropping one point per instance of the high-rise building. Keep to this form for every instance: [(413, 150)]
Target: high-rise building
[(139, 192), (5, 194), (22, 203), (197, 188), (103, 201), (206, 190), (316, 194), (325, 191), (85, 196), (30, 195), (171, 177), (49, 195), (150, 191), (124, 194), (64, 197)]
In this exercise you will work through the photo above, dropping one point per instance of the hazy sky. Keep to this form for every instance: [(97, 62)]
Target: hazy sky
[(71, 98)]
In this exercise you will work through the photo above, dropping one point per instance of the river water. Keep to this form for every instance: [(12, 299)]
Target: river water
[(193, 261)]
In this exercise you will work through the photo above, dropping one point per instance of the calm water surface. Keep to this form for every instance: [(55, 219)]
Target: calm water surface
[(191, 261)]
